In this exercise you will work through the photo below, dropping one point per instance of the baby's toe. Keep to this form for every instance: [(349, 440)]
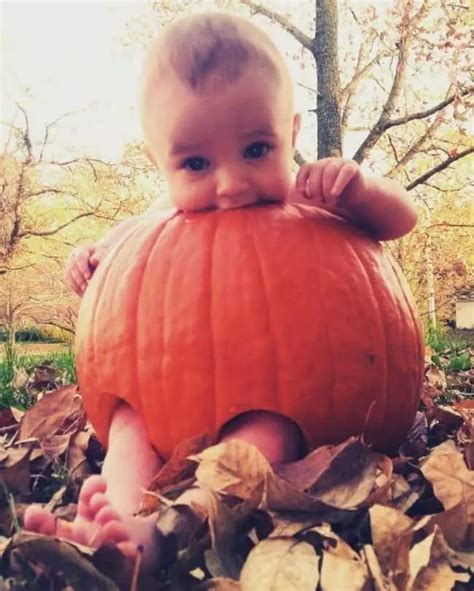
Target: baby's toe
[(94, 485), (97, 503), (105, 514), (40, 520), (113, 532)]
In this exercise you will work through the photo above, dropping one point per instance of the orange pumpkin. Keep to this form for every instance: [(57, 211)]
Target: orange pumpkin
[(200, 317)]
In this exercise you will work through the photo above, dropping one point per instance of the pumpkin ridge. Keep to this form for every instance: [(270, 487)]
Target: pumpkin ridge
[(166, 298), (134, 336), (105, 274), (275, 365), (212, 255), (416, 328), (372, 281), (315, 240)]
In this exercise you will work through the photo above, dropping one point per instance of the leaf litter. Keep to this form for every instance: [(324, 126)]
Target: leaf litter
[(343, 518)]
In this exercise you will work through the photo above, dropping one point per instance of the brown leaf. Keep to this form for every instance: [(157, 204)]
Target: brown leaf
[(281, 495), (15, 470), (178, 469), (287, 525), (453, 482), (457, 527), (280, 564), (56, 445), (351, 478), (338, 572), (66, 558), (223, 529), (234, 467), (76, 461), (436, 378), (391, 537), (401, 495), (448, 417), (437, 573), (219, 584), (304, 473), (375, 572), (54, 412), (7, 418)]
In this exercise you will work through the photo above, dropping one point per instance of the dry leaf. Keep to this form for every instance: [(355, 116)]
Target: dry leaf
[(351, 477), (280, 564), (375, 572), (219, 584), (280, 495), (436, 378), (339, 573), (390, 529), (54, 412), (15, 470), (234, 467), (222, 527), (66, 558), (458, 530), (453, 482), (304, 473), (437, 574)]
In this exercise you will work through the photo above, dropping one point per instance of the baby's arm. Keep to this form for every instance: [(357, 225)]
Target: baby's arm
[(379, 205), (85, 258)]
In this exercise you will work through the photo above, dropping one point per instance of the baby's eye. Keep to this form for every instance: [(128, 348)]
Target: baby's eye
[(257, 150), (196, 163)]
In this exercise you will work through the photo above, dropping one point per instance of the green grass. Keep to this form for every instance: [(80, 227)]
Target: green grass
[(11, 361), (451, 352)]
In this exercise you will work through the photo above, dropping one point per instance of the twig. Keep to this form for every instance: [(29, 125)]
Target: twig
[(136, 569), (8, 428)]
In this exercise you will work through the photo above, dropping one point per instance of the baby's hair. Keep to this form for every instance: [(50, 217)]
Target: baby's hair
[(217, 46)]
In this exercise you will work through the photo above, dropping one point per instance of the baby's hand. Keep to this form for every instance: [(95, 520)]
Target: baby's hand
[(331, 183), (80, 266)]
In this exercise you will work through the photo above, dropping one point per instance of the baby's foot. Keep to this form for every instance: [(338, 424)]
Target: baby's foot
[(96, 522)]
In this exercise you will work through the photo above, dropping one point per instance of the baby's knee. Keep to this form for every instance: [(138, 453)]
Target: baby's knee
[(277, 437)]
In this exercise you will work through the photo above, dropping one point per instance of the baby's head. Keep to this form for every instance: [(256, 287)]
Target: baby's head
[(217, 113)]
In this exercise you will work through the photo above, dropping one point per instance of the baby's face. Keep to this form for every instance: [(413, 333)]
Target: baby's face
[(227, 147)]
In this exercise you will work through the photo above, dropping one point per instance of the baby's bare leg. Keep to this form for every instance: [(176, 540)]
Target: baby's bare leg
[(130, 463)]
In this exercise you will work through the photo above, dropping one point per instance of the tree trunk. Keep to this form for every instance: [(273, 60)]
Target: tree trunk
[(328, 83)]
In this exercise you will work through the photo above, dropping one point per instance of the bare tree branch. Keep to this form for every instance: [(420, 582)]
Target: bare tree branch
[(448, 225), (57, 229), (47, 190), (289, 27), (439, 168), (430, 111), (417, 146), (404, 43)]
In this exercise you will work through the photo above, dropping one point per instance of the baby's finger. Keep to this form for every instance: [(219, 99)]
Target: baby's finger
[(328, 179), (302, 178), (81, 260), (345, 175), (73, 285)]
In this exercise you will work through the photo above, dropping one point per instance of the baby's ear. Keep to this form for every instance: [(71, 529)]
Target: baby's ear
[(149, 154), (296, 128)]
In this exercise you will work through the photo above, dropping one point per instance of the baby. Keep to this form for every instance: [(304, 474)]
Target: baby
[(219, 124)]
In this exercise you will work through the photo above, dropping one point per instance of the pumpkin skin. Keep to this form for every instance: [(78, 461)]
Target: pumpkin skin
[(200, 317)]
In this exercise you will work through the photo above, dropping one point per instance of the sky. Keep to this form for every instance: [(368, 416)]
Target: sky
[(66, 57)]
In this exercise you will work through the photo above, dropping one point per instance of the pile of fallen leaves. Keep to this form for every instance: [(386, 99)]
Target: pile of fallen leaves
[(344, 518)]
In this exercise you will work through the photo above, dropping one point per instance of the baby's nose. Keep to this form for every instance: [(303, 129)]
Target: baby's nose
[(231, 183)]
